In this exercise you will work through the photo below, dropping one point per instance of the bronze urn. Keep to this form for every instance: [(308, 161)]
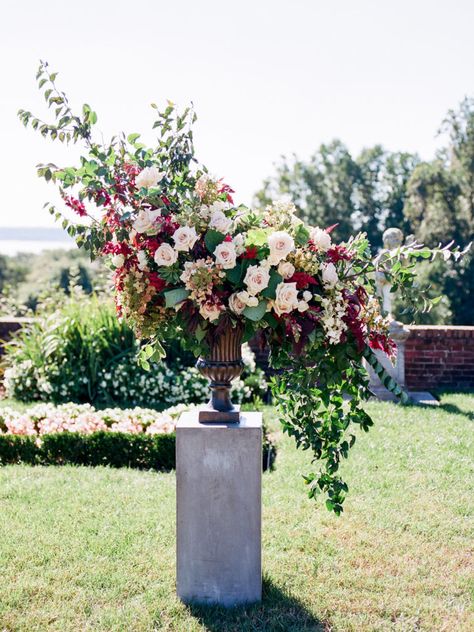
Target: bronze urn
[(223, 365)]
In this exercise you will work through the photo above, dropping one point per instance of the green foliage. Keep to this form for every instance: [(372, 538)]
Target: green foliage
[(115, 449), (18, 449), (432, 201), (40, 282), (62, 356), (81, 353), (317, 401), (364, 193), (440, 207)]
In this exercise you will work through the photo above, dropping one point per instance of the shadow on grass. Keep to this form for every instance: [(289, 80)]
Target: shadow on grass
[(278, 611), (455, 410)]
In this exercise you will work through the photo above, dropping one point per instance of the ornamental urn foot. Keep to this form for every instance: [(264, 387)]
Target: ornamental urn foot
[(223, 365)]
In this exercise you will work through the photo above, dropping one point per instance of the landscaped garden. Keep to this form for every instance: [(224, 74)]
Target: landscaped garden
[(99, 532), (94, 548)]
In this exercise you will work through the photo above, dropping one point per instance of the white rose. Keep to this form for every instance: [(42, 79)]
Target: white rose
[(204, 211), (307, 296), (286, 299), (320, 238), (210, 311), (225, 255), (185, 237), (239, 243), (219, 205), (265, 263), (302, 306), (145, 221), (252, 301), (142, 260), (149, 177), (256, 279), (329, 275), (165, 255), (118, 261), (281, 244), (220, 222), (236, 304), (286, 269)]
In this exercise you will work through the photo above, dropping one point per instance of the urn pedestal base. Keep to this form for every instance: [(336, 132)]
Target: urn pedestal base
[(219, 482), (208, 414)]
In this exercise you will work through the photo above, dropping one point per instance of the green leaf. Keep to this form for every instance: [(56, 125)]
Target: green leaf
[(301, 235), (235, 274), (173, 297), (200, 333), (275, 279), (271, 320), (212, 239), (158, 352), (256, 313), (132, 138), (257, 237)]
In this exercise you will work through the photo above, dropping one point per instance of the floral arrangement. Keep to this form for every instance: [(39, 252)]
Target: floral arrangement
[(188, 262)]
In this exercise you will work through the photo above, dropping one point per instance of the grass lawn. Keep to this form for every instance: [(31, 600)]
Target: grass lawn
[(93, 549)]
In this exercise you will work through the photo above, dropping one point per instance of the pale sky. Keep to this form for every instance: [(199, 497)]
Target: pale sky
[(267, 77)]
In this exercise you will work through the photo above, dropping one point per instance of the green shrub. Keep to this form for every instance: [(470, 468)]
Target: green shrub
[(82, 353), (114, 449), (18, 449)]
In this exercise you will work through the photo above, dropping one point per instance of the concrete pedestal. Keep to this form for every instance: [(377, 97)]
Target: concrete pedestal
[(219, 480)]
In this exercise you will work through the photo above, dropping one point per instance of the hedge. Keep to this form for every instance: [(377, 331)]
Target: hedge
[(115, 449)]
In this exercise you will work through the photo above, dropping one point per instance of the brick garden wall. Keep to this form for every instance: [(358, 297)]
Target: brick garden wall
[(439, 356)]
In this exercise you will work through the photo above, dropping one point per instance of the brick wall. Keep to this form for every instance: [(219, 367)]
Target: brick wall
[(439, 356)]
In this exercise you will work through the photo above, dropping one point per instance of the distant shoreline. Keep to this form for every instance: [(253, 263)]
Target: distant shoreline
[(33, 233), (14, 247)]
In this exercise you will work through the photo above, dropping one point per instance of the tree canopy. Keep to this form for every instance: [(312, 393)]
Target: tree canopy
[(378, 189)]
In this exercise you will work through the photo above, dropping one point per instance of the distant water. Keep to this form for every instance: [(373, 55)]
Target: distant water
[(32, 240), (12, 247)]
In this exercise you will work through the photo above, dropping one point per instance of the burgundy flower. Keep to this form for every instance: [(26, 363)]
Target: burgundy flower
[(76, 205), (352, 320), (303, 280), (156, 281), (383, 343), (225, 188), (114, 248), (250, 253), (338, 253), (151, 244)]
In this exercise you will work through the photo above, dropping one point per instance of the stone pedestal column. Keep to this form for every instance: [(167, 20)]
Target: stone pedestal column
[(399, 334), (219, 474)]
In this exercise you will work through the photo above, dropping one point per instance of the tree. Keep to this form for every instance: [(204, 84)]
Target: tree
[(380, 192), (378, 189), (440, 206), (366, 193), (322, 189)]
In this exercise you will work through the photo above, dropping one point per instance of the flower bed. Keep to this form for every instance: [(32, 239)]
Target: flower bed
[(81, 435)]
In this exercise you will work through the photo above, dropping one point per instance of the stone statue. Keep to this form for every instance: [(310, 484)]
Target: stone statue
[(392, 240)]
